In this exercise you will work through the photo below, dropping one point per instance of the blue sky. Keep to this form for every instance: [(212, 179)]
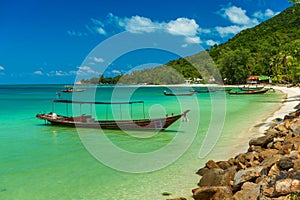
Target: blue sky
[(43, 41)]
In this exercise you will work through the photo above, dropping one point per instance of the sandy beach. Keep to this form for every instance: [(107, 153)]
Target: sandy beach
[(288, 104)]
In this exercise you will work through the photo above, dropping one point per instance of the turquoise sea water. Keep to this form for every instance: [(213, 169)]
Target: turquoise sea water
[(49, 162)]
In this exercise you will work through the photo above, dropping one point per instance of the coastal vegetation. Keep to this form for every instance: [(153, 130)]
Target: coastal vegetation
[(271, 48)]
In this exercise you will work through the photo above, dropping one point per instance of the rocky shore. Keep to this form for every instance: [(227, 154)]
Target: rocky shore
[(270, 169)]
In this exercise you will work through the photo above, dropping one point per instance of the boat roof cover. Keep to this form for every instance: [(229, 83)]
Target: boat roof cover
[(93, 102)]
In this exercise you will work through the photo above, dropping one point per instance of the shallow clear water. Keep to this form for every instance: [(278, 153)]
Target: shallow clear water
[(49, 162)]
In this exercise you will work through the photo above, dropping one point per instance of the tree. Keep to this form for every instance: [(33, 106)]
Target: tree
[(294, 1), (235, 65)]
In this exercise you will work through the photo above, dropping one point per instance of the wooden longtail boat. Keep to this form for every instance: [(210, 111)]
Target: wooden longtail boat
[(248, 92), (87, 121), (251, 88), (179, 94), (71, 89), (204, 91)]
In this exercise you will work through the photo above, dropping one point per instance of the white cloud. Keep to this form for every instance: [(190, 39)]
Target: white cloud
[(56, 73), (1, 68), (76, 33), (240, 21), (97, 22), (236, 15), (269, 13), (184, 45), (98, 60), (101, 31), (116, 71), (38, 72), (195, 40), (60, 73), (264, 15), (182, 26), (211, 42), (137, 24), (204, 30), (85, 70), (97, 27), (225, 31)]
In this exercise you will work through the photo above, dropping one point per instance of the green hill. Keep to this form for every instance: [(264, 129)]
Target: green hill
[(271, 48)]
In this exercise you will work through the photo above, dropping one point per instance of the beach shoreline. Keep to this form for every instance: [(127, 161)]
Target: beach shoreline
[(291, 98), (267, 146), (287, 105)]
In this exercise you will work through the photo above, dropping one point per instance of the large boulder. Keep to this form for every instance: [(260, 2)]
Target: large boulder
[(286, 186), (211, 177), (261, 141), (202, 171), (271, 160), (267, 153), (249, 174), (213, 193), (218, 177), (297, 164), (211, 164), (250, 191), (224, 164), (285, 163)]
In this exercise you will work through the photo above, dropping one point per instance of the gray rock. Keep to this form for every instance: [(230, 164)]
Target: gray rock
[(211, 177), (202, 171), (224, 164), (250, 191), (271, 160), (218, 177), (261, 141), (249, 174), (287, 186), (211, 164), (213, 193), (285, 163)]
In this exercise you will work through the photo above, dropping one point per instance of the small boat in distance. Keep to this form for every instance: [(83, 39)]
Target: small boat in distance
[(88, 121), (241, 92), (204, 91), (245, 88), (179, 94), (70, 88)]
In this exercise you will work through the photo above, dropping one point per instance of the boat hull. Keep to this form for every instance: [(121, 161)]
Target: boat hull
[(179, 94), (249, 92), (73, 90), (159, 124), (251, 88)]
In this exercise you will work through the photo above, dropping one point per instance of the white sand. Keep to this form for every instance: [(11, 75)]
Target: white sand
[(288, 104)]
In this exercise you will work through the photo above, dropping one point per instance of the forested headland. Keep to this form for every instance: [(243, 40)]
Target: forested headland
[(271, 48)]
